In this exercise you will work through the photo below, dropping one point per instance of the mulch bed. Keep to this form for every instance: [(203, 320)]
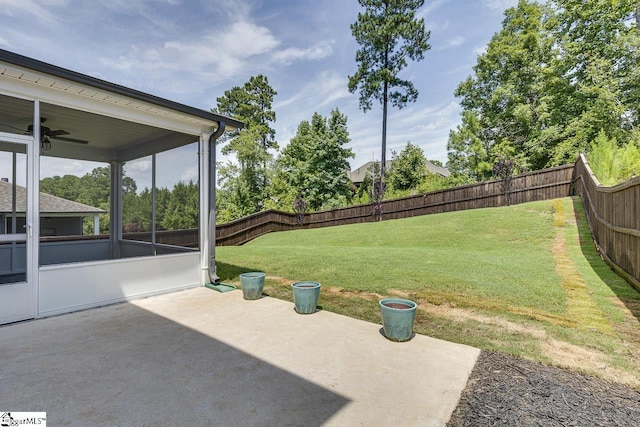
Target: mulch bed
[(506, 391)]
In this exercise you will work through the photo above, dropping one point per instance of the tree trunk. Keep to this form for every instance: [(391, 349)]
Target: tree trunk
[(385, 100), (384, 132)]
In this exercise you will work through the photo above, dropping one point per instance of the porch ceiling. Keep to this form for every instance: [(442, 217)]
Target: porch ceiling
[(108, 138), (119, 123)]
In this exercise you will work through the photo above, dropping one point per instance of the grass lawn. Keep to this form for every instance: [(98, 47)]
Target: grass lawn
[(525, 280)]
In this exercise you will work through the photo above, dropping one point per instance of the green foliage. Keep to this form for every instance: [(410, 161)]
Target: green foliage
[(554, 77), (183, 209), (245, 188), (468, 153), (388, 34), (231, 195), (408, 169), (315, 162), (281, 195), (247, 184), (434, 182), (611, 163), (251, 104), (506, 100)]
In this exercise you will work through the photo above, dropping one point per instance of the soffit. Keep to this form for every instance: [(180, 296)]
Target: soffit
[(117, 127)]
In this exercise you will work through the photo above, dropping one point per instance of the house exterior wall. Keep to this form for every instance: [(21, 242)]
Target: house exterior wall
[(60, 226), (50, 226)]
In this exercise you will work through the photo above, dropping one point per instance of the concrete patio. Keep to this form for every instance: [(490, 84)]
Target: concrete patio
[(201, 358)]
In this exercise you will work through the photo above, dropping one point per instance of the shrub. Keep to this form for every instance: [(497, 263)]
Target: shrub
[(611, 163)]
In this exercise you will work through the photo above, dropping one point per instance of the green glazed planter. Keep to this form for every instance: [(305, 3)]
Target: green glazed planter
[(305, 296), (252, 284), (397, 318)]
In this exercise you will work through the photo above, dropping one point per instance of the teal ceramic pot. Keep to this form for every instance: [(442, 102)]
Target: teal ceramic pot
[(252, 284), (397, 318), (305, 296)]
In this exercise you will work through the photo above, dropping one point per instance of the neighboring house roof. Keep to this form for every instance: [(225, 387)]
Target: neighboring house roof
[(358, 175), (48, 204)]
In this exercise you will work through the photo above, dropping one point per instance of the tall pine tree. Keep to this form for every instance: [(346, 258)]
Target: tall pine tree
[(388, 33)]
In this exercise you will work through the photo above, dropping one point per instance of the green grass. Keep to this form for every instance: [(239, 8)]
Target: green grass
[(487, 277), (475, 252)]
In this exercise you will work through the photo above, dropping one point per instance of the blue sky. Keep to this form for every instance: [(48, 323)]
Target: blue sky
[(191, 51)]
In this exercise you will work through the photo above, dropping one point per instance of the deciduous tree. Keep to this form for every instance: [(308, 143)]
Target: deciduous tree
[(251, 104), (554, 77), (408, 169), (315, 162)]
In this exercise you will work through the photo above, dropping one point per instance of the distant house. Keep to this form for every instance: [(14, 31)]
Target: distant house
[(58, 216), (357, 175)]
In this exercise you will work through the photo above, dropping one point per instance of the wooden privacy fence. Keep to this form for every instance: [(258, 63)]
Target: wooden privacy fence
[(538, 185), (614, 218)]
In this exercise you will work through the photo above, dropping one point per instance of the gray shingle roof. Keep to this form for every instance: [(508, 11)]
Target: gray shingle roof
[(48, 203)]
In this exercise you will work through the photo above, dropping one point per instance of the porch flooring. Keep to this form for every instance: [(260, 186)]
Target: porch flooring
[(203, 358)]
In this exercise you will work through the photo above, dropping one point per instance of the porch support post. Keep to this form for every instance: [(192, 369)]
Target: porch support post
[(33, 212), (115, 210), (203, 177), (96, 225), (153, 204)]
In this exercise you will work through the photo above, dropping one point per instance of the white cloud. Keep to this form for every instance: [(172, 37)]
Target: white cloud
[(33, 8), (452, 42), (193, 64), (137, 166), (52, 166), (325, 89), (190, 174), (500, 5), (319, 51), (240, 49), (480, 49), (430, 7)]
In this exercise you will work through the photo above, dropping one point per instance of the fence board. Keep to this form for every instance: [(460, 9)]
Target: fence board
[(613, 214), (537, 185)]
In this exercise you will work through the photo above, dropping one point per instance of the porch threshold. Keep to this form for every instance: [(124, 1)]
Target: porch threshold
[(197, 357)]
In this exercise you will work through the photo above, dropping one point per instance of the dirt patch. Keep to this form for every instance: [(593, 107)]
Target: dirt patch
[(562, 354), (462, 315), (579, 359), (504, 390), (573, 356)]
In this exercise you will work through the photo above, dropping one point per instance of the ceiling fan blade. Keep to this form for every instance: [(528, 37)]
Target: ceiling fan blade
[(77, 141), (57, 133)]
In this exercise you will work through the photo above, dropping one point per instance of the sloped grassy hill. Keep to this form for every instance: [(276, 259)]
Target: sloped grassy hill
[(523, 279)]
